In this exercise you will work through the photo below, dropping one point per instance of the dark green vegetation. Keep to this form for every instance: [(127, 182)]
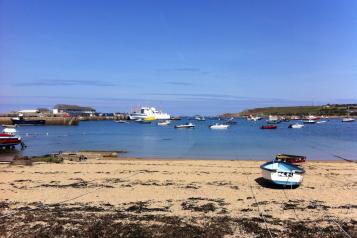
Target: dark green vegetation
[(140, 220), (324, 110), (47, 159)]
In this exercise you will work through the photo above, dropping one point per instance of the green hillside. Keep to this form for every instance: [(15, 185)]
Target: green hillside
[(326, 110)]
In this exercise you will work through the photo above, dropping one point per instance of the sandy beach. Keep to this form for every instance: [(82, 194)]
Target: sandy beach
[(174, 198)]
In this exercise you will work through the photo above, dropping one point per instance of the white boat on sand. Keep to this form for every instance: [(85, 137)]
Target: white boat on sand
[(282, 173)]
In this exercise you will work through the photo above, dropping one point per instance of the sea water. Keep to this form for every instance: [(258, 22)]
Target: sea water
[(244, 140)]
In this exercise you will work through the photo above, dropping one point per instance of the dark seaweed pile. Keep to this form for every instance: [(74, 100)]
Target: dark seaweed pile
[(141, 219)]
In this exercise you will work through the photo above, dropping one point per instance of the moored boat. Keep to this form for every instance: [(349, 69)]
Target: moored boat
[(310, 121), (230, 121), (311, 117), (296, 126), (253, 118), (269, 127), (200, 118), (293, 159), (121, 121), (273, 120), (27, 122), (163, 123), (219, 126), (142, 121), (183, 126), (348, 119), (9, 139), (148, 112), (282, 173), (175, 118)]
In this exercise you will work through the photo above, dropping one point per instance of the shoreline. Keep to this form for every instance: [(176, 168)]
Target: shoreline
[(4, 157)]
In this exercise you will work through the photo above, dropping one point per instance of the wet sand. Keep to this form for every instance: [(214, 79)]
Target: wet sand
[(174, 198)]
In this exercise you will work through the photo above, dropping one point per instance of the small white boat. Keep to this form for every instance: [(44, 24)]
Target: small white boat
[(348, 119), (218, 126), (320, 122), (121, 121), (200, 118), (187, 125), (163, 123), (253, 118), (310, 121), (296, 126), (282, 173)]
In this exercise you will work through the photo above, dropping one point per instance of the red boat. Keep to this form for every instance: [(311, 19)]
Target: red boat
[(293, 159), (269, 127), (8, 139)]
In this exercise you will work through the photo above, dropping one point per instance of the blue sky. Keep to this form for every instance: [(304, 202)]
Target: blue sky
[(185, 57)]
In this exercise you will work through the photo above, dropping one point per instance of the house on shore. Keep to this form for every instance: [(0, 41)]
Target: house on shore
[(73, 110)]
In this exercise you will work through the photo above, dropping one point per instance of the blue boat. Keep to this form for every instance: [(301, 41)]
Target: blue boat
[(282, 173)]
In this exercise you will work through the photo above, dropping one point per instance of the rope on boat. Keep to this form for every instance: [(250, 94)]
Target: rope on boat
[(260, 210), (73, 198)]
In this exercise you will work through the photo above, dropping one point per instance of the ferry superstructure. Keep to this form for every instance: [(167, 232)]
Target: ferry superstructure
[(149, 112)]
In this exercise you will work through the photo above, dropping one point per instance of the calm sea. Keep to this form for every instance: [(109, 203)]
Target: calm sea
[(241, 141)]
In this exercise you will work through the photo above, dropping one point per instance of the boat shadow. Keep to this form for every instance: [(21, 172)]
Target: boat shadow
[(267, 184)]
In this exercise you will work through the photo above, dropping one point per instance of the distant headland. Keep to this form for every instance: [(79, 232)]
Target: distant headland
[(322, 110)]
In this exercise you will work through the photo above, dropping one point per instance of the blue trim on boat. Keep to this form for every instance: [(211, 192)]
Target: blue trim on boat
[(289, 167), (285, 183)]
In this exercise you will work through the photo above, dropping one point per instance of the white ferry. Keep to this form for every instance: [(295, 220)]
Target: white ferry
[(149, 113)]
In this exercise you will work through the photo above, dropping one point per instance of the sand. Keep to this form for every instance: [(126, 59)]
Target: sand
[(174, 198)]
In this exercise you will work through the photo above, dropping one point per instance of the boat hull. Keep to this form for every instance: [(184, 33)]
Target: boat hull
[(296, 126), (282, 173), (219, 127), (185, 126), (24, 122), (309, 121), (269, 127), (348, 120), (282, 178), (9, 141)]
